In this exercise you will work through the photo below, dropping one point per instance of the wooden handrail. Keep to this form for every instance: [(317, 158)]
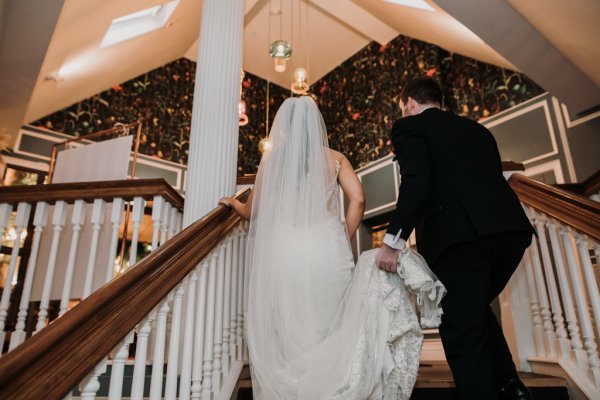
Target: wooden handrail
[(54, 361), (586, 188), (577, 211), (107, 190)]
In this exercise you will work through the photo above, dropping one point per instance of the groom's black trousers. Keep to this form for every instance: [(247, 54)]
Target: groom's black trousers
[(474, 273)]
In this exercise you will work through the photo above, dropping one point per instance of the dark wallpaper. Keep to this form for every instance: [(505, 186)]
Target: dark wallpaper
[(358, 101)]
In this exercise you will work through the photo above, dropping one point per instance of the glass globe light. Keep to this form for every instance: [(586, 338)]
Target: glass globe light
[(280, 51)]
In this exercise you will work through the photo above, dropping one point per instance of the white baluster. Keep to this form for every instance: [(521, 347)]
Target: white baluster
[(141, 353), (157, 206), (218, 344), (226, 305), (567, 299), (174, 337), (240, 297), (543, 296), (588, 271), (178, 221), (246, 286), (159, 350), (137, 216), (538, 327), (557, 314), (5, 213), (115, 389), (235, 271), (58, 221), (172, 222), (582, 307), (198, 359), (97, 219), (207, 381), (116, 217), (40, 219), (77, 219), (188, 337), (90, 385), (164, 222), (21, 220)]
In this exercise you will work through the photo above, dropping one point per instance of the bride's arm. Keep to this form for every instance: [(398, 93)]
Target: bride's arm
[(356, 197), (244, 210)]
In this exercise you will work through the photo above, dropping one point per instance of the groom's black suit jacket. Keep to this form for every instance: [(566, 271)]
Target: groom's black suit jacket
[(452, 189)]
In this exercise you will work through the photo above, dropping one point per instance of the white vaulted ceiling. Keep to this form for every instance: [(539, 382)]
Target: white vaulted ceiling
[(75, 67)]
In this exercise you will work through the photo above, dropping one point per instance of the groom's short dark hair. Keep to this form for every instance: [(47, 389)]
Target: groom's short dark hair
[(424, 90)]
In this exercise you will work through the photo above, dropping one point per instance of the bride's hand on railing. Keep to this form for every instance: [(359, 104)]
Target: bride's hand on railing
[(244, 210)]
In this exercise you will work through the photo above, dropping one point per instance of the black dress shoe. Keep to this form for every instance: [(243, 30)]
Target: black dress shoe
[(514, 389)]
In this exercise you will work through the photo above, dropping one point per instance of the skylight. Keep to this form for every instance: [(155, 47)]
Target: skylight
[(420, 4), (138, 23)]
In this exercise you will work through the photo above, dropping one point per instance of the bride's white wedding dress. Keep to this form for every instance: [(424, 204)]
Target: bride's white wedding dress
[(320, 327)]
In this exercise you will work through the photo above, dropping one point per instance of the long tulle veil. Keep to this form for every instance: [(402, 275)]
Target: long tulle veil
[(294, 180)]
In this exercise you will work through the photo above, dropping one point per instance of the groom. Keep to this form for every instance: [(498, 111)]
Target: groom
[(470, 228)]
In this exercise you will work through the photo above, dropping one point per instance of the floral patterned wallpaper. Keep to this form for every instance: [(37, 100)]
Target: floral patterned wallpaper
[(358, 101)]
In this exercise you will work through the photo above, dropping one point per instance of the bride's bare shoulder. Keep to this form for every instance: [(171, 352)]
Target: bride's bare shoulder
[(336, 155)]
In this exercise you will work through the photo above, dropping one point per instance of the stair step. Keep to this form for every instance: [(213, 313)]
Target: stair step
[(435, 383)]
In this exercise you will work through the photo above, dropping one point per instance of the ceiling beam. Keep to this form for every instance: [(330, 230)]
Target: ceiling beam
[(511, 35), (358, 19)]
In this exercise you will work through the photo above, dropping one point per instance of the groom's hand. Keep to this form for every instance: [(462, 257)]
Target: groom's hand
[(387, 258)]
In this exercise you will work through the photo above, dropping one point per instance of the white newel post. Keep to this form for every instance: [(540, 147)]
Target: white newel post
[(214, 134)]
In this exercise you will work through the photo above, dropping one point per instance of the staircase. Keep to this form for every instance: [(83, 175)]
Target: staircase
[(435, 382)]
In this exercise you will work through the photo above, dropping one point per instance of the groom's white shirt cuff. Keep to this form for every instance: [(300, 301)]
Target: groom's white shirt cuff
[(395, 242)]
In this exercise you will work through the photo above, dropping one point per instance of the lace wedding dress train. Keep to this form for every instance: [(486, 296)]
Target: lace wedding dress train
[(348, 332)]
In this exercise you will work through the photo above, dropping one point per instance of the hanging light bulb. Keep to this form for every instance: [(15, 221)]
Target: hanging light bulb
[(280, 51), (300, 86), (264, 145), (242, 113), (243, 117)]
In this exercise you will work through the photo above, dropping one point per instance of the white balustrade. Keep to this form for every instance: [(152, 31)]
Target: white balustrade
[(564, 300), (116, 217)]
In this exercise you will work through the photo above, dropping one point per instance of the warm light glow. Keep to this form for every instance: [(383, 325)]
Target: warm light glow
[(300, 86), (243, 118), (264, 145)]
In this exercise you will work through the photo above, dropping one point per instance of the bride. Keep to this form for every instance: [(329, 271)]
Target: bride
[(319, 326)]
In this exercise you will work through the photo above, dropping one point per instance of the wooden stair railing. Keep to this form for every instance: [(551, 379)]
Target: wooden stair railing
[(587, 188), (89, 191), (552, 304), (574, 210), (91, 214), (51, 363)]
